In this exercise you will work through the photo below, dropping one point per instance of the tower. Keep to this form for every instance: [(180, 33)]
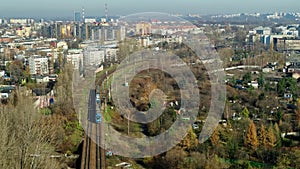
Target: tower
[(106, 12), (83, 14)]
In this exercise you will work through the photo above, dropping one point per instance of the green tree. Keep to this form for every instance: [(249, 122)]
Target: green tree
[(261, 80), (281, 86), (292, 86), (233, 80), (297, 114), (245, 112), (247, 77), (283, 161), (277, 133), (295, 156), (214, 163)]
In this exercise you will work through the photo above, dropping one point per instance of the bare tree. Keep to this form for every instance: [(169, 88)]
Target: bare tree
[(26, 136)]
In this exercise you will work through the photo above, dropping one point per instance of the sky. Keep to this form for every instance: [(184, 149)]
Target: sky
[(65, 8)]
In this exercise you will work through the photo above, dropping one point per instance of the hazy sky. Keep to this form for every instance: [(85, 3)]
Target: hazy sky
[(26, 8)]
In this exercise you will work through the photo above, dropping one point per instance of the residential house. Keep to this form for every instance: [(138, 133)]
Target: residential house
[(41, 78)]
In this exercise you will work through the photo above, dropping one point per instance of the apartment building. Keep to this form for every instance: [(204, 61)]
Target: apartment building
[(93, 55), (75, 56), (38, 65)]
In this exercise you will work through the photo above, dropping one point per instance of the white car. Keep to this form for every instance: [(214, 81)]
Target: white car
[(195, 126), (124, 165)]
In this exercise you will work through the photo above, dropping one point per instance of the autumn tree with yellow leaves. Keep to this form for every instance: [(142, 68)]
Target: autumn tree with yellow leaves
[(251, 139)]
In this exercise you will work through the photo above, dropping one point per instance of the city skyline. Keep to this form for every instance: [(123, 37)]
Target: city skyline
[(56, 8)]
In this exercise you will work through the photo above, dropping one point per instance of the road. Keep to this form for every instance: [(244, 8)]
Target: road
[(236, 67)]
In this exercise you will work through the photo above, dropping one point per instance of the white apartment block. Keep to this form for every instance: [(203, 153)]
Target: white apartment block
[(93, 56), (21, 21), (38, 65), (76, 59), (111, 54)]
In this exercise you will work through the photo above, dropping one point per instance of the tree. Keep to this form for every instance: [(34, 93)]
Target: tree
[(176, 158), (215, 137), (297, 113), (277, 133), (197, 161), (281, 86), (247, 77), (271, 138), (226, 54), (295, 155), (63, 108), (27, 137), (16, 70), (27, 74), (261, 80), (245, 112), (292, 86), (262, 135), (60, 61), (290, 159), (190, 140), (240, 37), (251, 139), (283, 162), (64, 86), (214, 163)]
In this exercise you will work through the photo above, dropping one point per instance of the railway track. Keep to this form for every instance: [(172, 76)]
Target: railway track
[(92, 154)]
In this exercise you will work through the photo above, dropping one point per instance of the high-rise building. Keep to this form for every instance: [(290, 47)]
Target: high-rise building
[(18, 21), (77, 30), (77, 16), (89, 20), (143, 28)]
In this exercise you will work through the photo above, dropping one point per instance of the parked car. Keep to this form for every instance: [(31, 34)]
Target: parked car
[(124, 165)]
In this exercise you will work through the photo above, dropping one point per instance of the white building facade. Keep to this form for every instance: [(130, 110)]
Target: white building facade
[(38, 65)]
